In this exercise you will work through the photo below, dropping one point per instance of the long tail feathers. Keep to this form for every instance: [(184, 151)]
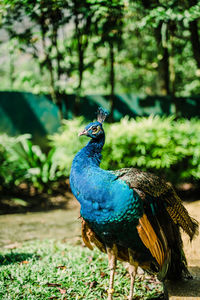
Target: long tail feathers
[(180, 216)]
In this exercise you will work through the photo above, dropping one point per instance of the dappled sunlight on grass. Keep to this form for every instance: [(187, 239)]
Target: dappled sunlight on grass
[(40, 270)]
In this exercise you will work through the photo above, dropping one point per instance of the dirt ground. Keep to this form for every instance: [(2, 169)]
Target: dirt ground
[(190, 289), (65, 225)]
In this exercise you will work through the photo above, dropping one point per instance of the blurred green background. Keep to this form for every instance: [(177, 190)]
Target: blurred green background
[(60, 60)]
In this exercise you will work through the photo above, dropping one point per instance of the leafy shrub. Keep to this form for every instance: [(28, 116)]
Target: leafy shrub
[(21, 161), (157, 144), (66, 143)]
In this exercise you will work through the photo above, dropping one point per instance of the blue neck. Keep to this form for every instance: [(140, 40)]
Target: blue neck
[(103, 197), (91, 153)]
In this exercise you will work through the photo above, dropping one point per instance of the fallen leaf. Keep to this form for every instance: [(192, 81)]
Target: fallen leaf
[(64, 240), (62, 291), (102, 274), (93, 284), (61, 267), (53, 284), (24, 262), (90, 259)]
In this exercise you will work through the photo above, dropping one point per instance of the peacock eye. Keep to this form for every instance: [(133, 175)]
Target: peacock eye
[(96, 129)]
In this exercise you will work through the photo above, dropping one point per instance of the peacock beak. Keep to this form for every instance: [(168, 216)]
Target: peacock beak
[(84, 132)]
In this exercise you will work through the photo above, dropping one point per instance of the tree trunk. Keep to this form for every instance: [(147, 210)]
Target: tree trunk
[(48, 61), (163, 63), (11, 68), (49, 65), (80, 73), (194, 38), (112, 80), (55, 44), (80, 65), (194, 35), (172, 67), (163, 82), (58, 70)]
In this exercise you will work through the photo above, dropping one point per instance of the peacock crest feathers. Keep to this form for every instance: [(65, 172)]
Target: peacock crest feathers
[(101, 115)]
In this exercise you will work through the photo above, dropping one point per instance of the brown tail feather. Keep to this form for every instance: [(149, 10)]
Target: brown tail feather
[(180, 215)]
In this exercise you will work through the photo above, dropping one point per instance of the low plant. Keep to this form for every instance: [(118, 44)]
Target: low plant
[(22, 161), (156, 144)]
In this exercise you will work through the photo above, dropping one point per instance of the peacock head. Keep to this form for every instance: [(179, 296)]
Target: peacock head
[(95, 130)]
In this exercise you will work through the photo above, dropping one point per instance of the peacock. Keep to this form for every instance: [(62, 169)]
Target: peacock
[(131, 215)]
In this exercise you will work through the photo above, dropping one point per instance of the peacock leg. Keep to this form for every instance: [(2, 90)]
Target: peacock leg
[(133, 265), (112, 261), (165, 291)]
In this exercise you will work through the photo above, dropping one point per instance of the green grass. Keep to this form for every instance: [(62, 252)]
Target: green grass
[(54, 270)]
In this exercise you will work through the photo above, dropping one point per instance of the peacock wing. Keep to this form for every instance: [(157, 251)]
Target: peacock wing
[(156, 242), (147, 182), (150, 187), (161, 195)]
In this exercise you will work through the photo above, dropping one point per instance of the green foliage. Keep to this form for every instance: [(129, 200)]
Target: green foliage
[(66, 143), (51, 269), (21, 161), (156, 144), (161, 145), (47, 46)]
